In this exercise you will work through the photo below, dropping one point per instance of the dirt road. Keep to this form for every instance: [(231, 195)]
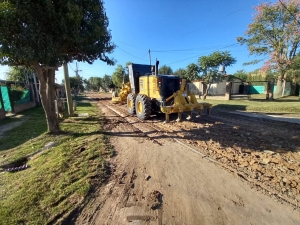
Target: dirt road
[(222, 169)]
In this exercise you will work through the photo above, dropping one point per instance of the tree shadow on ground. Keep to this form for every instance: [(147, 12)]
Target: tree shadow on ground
[(33, 126), (233, 131)]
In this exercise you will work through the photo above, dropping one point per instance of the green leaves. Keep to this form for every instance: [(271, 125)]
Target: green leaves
[(209, 65), (49, 32), (165, 70), (192, 72), (274, 31), (117, 76), (19, 73)]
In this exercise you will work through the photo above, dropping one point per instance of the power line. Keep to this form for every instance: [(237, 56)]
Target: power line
[(128, 44), (189, 53), (176, 50), (131, 54), (203, 53), (213, 22), (71, 67), (289, 11)]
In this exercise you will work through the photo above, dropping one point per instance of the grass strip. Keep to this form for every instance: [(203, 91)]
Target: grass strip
[(279, 106), (59, 178)]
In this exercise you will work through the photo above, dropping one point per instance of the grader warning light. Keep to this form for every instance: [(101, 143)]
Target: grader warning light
[(159, 81)]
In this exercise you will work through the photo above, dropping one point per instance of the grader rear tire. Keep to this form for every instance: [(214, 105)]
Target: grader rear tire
[(143, 107), (131, 103)]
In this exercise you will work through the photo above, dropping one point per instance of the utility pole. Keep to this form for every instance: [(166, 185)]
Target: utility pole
[(68, 89), (76, 71), (77, 76), (149, 57)]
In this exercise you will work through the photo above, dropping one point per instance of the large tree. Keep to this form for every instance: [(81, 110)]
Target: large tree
[(45, 34), (120, 75), (275, 31), (165, 70), (241, 74), (293, 72), (192, 72), (94, 83), (19, 73), (180, 72), (107, 82), (76, 84), (209, 66)]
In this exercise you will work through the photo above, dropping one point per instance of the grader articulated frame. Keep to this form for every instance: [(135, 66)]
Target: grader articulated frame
[(148, 91)]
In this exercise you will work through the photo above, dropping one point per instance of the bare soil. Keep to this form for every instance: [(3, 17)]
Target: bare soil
[(218, 169)]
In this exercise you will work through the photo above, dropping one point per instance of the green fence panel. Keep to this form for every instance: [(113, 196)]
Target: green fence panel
[(5, 98), (26, 97), (1, 106), (256, 89)]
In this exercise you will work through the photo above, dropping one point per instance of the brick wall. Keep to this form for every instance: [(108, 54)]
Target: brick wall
[(23, 107), (2, 114)]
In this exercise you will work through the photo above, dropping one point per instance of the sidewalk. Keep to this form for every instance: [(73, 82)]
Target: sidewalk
[(282, 118)]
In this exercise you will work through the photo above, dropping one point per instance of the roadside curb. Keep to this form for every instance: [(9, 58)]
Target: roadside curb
[(267, 116)]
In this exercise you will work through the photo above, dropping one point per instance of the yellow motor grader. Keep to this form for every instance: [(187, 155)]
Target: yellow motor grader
[(149, 92)]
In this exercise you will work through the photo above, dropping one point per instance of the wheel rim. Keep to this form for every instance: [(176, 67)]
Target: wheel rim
[(130, 103), (140, 107)]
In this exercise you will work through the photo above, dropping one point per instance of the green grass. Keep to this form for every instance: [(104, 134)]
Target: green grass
[(34, 126), (288, 105), (58, 179)]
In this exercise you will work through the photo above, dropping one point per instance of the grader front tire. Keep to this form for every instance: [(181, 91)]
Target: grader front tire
[(143, 107), (131, 103)]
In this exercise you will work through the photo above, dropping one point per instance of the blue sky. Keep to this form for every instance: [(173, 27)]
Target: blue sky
[(177, 32)]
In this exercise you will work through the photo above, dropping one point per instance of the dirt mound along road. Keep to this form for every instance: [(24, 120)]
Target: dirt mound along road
[(158, 181)]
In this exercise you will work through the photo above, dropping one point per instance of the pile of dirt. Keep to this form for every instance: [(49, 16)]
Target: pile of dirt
[(267, 154)]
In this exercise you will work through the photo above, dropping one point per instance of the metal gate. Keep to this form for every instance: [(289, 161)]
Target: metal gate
[(5, 97)]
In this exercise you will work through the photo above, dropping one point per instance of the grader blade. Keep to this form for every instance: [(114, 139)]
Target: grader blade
[(123, 94)]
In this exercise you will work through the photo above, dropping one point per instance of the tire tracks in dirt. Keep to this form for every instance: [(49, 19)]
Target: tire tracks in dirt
[(127, 202), (174, 131)]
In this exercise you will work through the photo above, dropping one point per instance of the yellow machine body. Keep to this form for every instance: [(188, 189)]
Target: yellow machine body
[(149, 86), (149, 92), (122, 98)]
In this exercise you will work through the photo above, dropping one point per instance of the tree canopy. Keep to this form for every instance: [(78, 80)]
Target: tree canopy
[(45, 34), (19, 73), (107, 82), (94, 83), (76, 84), (50, 32), (119, 74), (181, 73), (275, 31), (209, 66), (192, 72), (165, 70)]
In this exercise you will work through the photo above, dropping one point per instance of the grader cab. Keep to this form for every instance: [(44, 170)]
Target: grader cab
[(153, 92)]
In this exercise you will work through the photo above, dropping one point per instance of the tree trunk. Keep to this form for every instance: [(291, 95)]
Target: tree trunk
[(206, 91), (47, 94), (279, 87)]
